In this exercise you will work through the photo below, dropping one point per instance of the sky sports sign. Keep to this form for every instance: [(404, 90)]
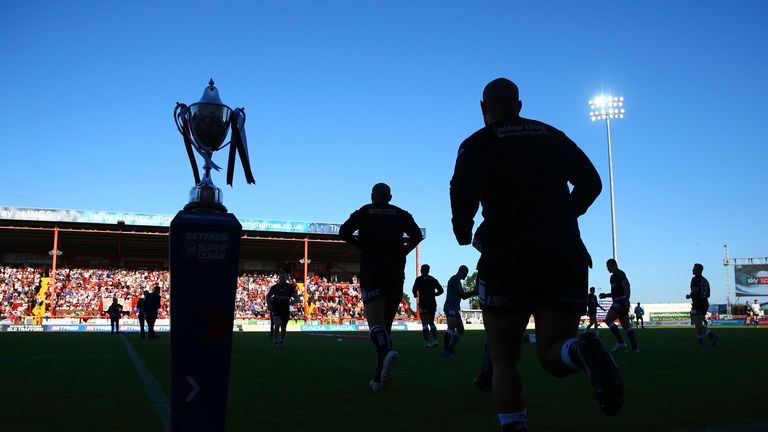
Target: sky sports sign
[(751, 280)]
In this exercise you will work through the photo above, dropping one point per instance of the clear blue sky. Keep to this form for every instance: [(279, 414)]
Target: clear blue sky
[(341, 95)]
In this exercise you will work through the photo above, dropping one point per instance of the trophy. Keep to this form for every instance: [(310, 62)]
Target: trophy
[(204, 247), (204, 126)]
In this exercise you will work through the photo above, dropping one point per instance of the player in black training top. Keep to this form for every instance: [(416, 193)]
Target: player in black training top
[(386, 234), (519, 170), (619, 310), (279, 302), (699, 296), (592, 305), (425, 289)]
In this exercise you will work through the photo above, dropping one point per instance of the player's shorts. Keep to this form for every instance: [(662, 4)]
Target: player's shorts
[(527, 285), (452, 313), (386, 286), (428, 309), (620, 307), (700, 307), (283, 313)]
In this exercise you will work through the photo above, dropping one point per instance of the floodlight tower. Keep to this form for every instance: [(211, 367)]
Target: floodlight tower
[(607, 108)]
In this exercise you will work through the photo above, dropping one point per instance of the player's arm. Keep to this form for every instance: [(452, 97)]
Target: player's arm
[(413, 232), (465, 193), (584, 178), (414, 290), (694, 289), (602, 308), (348, 228), (438, 288), (605, 295), (625, 285)]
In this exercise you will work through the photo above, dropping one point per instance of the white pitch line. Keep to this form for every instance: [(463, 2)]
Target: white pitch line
[(155, 393)]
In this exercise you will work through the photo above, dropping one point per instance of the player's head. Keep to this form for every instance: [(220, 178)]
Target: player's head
[(114, 300), (425, 269), (463, 271), (282, 275), (591, 290), (501, 99), (638, 304), (381, 193), (611, 265), (146, 293), (156, 289), (698, 269)]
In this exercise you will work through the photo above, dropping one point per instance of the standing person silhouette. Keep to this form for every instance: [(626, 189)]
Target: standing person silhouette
[(151, 308), (380, 229), (426, 288), (519, 170)]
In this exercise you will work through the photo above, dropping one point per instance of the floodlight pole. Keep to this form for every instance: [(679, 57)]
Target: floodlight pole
[(607, 108), (613, 203)]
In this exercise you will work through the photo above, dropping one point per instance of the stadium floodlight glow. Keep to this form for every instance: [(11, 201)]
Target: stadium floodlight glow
[(607, 107)]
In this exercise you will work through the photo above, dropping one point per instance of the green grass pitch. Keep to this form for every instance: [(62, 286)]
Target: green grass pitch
[(86, 382)]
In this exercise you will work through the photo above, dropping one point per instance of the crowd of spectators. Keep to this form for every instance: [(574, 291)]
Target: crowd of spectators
[(86, 292)]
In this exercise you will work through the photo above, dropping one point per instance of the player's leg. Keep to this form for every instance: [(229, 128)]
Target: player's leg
[(610, 321), (483, 379), (432, 329), (390, 358), (449, 332), (627, 325), (283, 327), (458, 332), (425, 319), (277, 322), (505, 334)]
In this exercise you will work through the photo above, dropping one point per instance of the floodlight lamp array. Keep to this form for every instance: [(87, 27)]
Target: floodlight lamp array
[(606, 107)]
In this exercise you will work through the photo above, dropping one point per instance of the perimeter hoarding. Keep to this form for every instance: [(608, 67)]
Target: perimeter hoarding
[(751, 280)]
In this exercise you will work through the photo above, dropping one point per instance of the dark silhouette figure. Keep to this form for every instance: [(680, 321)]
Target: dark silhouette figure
[(639, 312), (151, 308), (140, 305), (279, 301), (114, 312), (452, 308), (426, 288), (592, 305), (519, 170), (380, 229), (619, 310), (699, 296)]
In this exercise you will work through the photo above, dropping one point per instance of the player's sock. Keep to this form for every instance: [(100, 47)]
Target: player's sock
[(568, 354), (379, 339), (447, 339), (517, 421), (389, 340), (425, 332), (632, 338), (700, 340), (615, 330), (454, 341), (487, 368), (433, 331)]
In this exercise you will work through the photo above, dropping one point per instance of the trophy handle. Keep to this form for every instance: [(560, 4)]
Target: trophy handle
[(181, 117)]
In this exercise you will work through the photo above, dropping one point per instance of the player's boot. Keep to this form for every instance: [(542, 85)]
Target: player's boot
[(375, 386), (602, 372), (390, 361), (619, 346), (483, 383)]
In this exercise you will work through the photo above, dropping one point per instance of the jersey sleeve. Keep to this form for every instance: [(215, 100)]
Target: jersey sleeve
[(465, 189)]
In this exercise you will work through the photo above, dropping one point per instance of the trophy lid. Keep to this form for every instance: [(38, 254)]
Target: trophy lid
[(211, 94)]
